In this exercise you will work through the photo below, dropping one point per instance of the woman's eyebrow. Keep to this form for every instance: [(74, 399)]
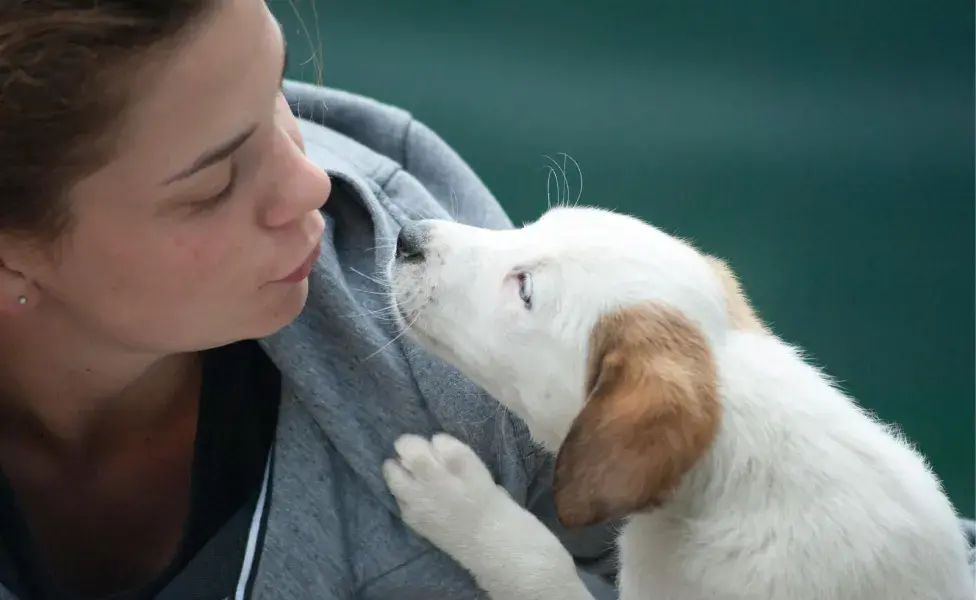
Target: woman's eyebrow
[(214, 155)]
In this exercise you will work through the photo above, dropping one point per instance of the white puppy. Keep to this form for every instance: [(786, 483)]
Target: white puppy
[(743, 472)]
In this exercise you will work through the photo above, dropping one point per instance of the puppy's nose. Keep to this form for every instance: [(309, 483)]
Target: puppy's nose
[(411, 240)]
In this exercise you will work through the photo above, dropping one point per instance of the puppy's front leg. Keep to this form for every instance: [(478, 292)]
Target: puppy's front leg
[(447, 495)]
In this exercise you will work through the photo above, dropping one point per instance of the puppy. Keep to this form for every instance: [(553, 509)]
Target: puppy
[(742, 472)]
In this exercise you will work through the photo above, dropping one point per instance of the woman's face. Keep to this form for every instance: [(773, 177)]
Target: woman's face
[(187, 239)]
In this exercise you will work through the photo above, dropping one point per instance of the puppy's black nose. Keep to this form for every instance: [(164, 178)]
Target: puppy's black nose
[(411, 240)]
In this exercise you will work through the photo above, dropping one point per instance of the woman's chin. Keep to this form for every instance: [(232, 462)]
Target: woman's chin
[(284, 310)]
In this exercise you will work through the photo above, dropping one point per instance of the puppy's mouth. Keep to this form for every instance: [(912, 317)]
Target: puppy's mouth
[(413, 296), (410, 293)]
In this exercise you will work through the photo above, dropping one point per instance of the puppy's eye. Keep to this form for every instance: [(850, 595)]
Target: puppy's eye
[(525, 288)]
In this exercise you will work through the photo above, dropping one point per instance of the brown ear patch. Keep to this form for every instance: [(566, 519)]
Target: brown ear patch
[(741, 314), (652, 410)]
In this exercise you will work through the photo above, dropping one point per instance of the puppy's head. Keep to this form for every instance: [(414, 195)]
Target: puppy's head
[(595, 328)]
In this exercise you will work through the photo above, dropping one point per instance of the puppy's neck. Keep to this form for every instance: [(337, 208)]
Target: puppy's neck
[(548, 410)]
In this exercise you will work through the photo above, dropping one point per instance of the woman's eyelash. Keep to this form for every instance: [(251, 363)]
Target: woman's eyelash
[(222, 195)]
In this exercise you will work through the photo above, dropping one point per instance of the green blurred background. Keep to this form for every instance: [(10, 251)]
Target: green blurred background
[(824, 147)]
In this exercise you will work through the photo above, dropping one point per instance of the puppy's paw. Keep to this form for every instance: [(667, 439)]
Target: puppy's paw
[(442, 487)]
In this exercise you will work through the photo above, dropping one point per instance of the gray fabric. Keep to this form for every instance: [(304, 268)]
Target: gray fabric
[(352, 386)]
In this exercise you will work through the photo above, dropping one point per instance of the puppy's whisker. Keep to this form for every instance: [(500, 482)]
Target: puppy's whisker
[(379, 282), (386, 311), (563, 196), (391, 342), (385, 246), (384, 320), (565, 181), (549, 178), (373, 292), (553, 176), (579, 193), (388, 320)]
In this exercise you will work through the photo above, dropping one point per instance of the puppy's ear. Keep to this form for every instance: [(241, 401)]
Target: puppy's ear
[(652, 410)]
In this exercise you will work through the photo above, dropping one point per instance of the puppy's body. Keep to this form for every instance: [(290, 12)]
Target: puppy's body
[(801, 495), (745, 474)]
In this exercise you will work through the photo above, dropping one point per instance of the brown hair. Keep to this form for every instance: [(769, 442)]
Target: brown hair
[(61, 100)]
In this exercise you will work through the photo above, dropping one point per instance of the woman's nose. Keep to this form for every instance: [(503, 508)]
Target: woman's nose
[(301, 188)]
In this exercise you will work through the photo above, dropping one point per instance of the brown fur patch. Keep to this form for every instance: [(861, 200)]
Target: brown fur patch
[(652, 411), (741, 314)]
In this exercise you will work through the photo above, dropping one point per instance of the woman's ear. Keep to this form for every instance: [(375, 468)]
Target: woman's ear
[(17, 293), (651, 413)]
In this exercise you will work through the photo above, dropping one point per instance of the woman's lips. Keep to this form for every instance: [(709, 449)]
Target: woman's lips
[(303, 269)]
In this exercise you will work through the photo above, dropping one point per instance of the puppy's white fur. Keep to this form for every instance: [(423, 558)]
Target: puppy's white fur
[(798, 494)]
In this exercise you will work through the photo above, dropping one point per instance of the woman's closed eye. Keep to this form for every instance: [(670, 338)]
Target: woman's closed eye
[(215, 200)]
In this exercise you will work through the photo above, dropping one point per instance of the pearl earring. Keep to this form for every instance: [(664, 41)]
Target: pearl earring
[(22, 300)]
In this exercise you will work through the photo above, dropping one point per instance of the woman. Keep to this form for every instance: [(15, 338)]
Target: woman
[(198, 385)]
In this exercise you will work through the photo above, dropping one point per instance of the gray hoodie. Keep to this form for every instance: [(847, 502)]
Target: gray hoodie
[(351, 386)]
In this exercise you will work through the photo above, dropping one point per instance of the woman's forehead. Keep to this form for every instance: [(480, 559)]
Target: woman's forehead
[(205, 91)]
